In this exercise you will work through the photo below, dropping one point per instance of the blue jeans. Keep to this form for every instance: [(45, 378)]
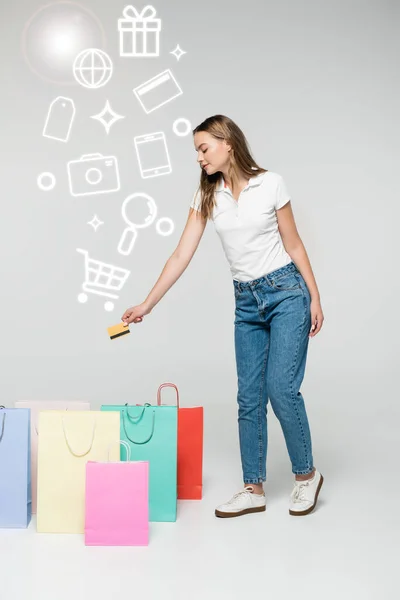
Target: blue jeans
[(272, 324)]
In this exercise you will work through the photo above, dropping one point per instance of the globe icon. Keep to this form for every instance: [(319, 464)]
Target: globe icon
[(92, 68)]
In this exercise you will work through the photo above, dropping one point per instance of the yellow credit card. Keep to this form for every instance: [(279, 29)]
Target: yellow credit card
[(118, 330)]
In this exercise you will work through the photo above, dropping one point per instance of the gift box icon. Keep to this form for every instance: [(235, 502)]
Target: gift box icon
[(139, 32)]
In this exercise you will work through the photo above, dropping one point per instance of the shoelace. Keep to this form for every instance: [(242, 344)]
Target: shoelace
[(298, 491), (238, 495)]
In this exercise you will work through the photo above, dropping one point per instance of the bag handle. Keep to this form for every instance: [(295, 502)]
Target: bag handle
[(152, 430), (163, 385), (136, 419), (68, 444), (2, 427), (127, 448), (35, 425)]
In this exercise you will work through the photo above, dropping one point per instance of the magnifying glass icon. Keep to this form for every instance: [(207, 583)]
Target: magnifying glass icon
[(138, 211)]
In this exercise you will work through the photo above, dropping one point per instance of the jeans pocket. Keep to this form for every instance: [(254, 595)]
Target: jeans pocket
[(288, 282), (237, 292)]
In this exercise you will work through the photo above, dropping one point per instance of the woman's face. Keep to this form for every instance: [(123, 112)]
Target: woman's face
[(212, 154)]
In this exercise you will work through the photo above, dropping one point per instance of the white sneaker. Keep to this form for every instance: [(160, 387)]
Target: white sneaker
[(304, 496), (243, 502)]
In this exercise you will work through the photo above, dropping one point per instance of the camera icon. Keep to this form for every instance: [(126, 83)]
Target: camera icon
[(93, 174)]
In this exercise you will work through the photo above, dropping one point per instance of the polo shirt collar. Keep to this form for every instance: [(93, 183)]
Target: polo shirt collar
[(253, 181)]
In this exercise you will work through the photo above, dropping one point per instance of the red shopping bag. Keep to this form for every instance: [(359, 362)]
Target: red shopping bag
[(190, 448)]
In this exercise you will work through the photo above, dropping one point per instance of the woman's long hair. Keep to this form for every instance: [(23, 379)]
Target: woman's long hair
[(241, 161)]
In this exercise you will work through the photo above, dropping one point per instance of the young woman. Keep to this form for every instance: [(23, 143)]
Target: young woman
[(277, 305)]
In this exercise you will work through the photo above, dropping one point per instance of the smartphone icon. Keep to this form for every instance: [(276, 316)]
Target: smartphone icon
[(152, 154)]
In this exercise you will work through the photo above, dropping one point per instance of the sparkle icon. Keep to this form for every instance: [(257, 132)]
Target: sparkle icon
[(178, 52), (107, 117), (95, 222)]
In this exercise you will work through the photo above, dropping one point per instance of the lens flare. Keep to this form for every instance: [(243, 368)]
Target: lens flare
[(55, 35)]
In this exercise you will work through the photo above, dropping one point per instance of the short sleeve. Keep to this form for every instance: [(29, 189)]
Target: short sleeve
[(282, 196), (196, 201)]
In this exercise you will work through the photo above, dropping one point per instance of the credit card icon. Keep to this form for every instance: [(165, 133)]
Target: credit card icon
[(157, 91)]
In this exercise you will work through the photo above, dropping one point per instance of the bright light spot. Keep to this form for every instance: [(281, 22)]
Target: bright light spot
[(62, 43), (55, 35)]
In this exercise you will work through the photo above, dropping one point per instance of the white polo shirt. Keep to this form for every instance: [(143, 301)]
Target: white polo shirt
[(248, 228)]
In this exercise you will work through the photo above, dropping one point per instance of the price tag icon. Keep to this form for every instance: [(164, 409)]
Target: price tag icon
[(60, 117)]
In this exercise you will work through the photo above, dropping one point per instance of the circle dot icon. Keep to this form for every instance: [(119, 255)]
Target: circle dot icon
[(168, 222), (178, 123), (46, 181), (82, 298)]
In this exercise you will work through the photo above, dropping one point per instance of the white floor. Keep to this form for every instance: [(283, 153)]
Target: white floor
[(347, 549)]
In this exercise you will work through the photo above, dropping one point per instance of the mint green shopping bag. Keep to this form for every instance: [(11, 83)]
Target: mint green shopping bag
[(152, 434)]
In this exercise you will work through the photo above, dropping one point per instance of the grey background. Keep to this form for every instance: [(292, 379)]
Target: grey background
[(314, 86), (315, 91)]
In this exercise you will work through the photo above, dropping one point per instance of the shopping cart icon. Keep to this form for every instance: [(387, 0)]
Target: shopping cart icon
[(102, 279)]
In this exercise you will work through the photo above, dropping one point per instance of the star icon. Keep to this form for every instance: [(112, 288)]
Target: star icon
[(95, 222), (107, 117), (178, 52)]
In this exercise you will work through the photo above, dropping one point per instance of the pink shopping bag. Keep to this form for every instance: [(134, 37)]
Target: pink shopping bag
[(117, 503)]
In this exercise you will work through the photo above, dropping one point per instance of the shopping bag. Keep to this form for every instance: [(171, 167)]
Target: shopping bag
[(190, 448), (151, 433), (117, 502), (15, 467), (66, 441), (35, 407)]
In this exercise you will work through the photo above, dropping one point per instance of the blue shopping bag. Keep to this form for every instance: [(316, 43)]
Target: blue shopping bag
[(15, 467), (152, 435)]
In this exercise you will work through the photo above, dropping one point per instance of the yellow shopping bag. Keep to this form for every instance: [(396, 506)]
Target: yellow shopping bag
[(67, 440)]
